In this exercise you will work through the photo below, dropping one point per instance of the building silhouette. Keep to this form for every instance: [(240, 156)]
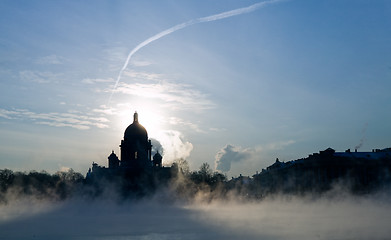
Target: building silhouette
[(137, 171), (135, 147), (136, 160), (357, 171)]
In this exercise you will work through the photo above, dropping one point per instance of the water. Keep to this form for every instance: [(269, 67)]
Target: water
[(293, 218)]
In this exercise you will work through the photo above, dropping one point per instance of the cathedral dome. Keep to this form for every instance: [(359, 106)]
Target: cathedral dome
[(135, 131)]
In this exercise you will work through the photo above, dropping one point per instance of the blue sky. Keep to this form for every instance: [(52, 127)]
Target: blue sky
[(284, 80)]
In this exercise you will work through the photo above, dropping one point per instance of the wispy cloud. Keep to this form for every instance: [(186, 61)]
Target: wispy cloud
[(77, 121), (39, 77), (141, 63), (6, 114), (180, 26), (137, 75), (51, 59), (114, 54), (215, 129), (177, 96), (97, 80), (106, 110), (179, 121)]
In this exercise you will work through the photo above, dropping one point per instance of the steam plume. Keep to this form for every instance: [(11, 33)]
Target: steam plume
[(175, 28), (364, 131)]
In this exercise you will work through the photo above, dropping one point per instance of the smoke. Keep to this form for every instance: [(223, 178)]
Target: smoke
[(229, 154), (175, 146), (175, 28), (156, 146), (362, 140)]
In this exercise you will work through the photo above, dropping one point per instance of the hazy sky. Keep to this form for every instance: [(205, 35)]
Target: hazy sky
[(284, 79)]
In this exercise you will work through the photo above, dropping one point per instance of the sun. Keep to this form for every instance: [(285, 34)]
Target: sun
[(153, 119), (157, 122)]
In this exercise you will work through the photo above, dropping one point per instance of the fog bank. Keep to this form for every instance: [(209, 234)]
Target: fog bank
[(281, 217)]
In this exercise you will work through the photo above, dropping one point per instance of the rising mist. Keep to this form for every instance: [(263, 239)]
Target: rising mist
[(189, 207)]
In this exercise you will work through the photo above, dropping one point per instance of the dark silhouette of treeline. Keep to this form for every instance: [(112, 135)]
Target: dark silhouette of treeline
[(39, 185), (181, 184), (299, 177)]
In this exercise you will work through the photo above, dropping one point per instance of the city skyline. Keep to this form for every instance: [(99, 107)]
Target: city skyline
[(283, 80)]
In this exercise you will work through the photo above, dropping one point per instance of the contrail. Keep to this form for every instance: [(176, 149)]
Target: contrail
[(175, 28)]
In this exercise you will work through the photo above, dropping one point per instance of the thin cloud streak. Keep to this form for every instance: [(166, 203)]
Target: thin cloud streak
[(97, 80), (56, 119), (175, 28), (176, 95), (50, 60), (39, 77), (189, 125), (144, 75)]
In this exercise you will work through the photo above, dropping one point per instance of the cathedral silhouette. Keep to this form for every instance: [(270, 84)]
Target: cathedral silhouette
[(136, 151)]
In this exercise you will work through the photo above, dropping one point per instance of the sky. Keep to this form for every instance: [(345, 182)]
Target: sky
[(264, 80)]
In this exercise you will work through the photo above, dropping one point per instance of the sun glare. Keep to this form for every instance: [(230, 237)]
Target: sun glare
[(148, 115), (156, 122)]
